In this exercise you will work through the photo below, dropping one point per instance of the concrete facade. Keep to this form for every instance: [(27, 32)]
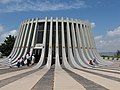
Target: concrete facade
[(59, 41), (0, 54)]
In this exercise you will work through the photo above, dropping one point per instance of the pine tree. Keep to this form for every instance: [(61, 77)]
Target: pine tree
[(6, 47)]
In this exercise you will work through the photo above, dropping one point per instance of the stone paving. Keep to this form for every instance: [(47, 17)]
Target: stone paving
[(7, 70), (88, 84), (26, 78), (102, 75), (114, 66), (46, 82), (14, 78)]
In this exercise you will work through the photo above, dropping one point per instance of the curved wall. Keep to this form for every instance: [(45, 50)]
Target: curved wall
[(62, 41)]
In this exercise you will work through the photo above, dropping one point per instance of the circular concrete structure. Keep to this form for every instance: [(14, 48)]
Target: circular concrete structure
[(57, 41)]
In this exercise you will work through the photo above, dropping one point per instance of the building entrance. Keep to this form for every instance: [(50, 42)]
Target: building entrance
[(37, 53)]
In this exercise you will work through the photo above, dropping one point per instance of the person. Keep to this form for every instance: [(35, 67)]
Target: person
[(28, 59), (22, 61), (94, 60), (90, 62), (18, 62), (10, 62), (33, 59)]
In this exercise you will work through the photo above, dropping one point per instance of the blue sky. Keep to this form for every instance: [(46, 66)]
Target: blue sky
[(105, 14)]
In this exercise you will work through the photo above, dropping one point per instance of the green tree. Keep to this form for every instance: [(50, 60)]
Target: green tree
[(6, 47)]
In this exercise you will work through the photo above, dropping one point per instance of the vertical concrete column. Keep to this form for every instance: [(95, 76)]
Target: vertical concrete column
[(80, 44), (75, 48), (90, 44), (34, 34), (87, 42), (20, 40), (57, 61), (15, 45), (39, 64), (70, 54), (64, 58), (17, 42), (73, 41), (28, 39), (82, 26), (24, 42), (49, 60)]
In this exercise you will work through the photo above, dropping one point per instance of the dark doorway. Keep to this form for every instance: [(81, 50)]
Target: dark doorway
[(53, 54), (37, 53)]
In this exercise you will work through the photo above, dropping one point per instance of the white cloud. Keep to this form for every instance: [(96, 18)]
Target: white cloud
[(13, 32), (93, 24), (115, 32), (8, 1), (4, 1), (41, 5), (4, 33), (110, 42), (98, 37)]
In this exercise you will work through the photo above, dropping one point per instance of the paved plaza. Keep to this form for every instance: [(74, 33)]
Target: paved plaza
[(28, 78)]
